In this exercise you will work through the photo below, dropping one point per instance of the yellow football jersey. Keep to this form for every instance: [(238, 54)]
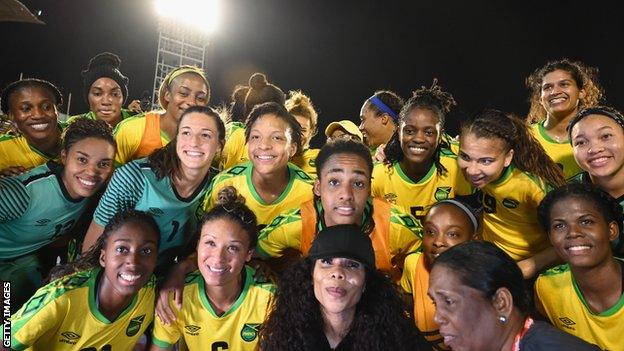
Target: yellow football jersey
[(415, 281), (235, 148), (307, 161), (298, 190), (203, 329), (63, 315), (397, 188), (559, 298), (15, 151), (510, 213), (560, 152), (401, 233), (138, 137)]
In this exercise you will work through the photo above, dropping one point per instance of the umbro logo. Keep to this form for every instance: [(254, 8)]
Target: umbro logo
[(567, 323), (42, 222), (192, 329), (69, 337)]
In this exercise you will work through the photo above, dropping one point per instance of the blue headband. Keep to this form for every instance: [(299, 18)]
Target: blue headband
[(383, 107)]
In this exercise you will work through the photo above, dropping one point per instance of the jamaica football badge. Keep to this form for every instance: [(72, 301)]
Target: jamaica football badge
[(249, 332), (135, 325), (442, 193)]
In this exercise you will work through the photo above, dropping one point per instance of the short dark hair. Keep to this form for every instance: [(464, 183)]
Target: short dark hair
[(343, 146), (27, 83), (483, 266), (83, 128), (609, 207), (272, 108)]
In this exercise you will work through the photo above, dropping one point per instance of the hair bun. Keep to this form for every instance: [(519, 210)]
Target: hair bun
[(258, 81), (229, 196)]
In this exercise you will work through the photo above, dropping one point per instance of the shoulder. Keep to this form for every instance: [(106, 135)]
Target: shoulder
[(543, 336), (299, 175), (555, 277), (130, 123)]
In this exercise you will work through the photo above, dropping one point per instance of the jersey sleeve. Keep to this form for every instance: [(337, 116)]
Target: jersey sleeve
[(234, 150), (283, 233), (377, 181), (38, 316), (124, 191), (127, 143), (409, 267), (14, 199), (405, 235), (539, 306), (166, 336)]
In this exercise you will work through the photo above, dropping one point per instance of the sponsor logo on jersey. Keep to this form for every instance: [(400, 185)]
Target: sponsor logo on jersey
[(442, 193), (567, 323), (42, 222), (192, 329), (135, 325), (249, 332), (391, 198), (510, 203), (69, 337), (156, 211)]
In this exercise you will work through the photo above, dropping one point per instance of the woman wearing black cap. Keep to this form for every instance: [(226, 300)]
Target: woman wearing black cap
[(105, 89), (336, 300)]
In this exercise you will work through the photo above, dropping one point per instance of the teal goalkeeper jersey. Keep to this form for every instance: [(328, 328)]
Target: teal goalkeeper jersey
[(35, 209), (134, 186)]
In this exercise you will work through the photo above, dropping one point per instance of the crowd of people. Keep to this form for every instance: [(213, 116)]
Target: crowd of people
[(193, 227)]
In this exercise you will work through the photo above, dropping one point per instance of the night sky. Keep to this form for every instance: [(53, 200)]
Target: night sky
[(338, 52)]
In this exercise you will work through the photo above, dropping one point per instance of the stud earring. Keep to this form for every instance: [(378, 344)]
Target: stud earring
[(502, 319)]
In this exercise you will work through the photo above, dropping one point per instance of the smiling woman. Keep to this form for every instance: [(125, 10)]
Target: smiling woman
[(170, 183), (106, 298), (28, 223), (31, 105)]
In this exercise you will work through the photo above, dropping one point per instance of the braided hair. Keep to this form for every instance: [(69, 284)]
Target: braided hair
[(433, 99)]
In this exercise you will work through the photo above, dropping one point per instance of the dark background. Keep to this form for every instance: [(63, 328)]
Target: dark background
[(338, 52)]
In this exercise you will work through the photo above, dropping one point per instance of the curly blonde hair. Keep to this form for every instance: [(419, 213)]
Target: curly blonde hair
[(299, 104), (586, 78)]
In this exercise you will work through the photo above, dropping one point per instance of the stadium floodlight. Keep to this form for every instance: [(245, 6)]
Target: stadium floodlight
[(201, 14)]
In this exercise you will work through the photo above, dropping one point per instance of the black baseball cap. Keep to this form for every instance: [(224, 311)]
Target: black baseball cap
[(345, 241)]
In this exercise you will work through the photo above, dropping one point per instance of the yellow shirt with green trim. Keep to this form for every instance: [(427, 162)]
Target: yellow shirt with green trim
[(560, 152), (307, 161), (397, 188), (15, 151), (235, 148), (284, 232), (63, 315), (297, 191), (558, 297), (510, 213), (129, 135), (203, 329), (415, 281)]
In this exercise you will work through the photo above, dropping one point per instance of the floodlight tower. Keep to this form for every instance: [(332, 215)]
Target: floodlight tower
[(183, 36)]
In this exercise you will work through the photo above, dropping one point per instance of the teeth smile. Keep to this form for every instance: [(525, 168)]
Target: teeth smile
[(417, 149), (39, 126), (194, 153), (129, 277), (579, 248), (215, 270), (85, 182), (262, 157), (557, 100)]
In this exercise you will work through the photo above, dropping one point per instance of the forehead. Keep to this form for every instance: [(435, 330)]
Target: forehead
[(421, 116), (224, 228), (270, 121), (105, 82), (477, 147), (189, 79), (573, 204), (30, 91), (556, 76), (594, 121), (194, 119), (135, 232), (447, 210), (347, 162), (302, 119)]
